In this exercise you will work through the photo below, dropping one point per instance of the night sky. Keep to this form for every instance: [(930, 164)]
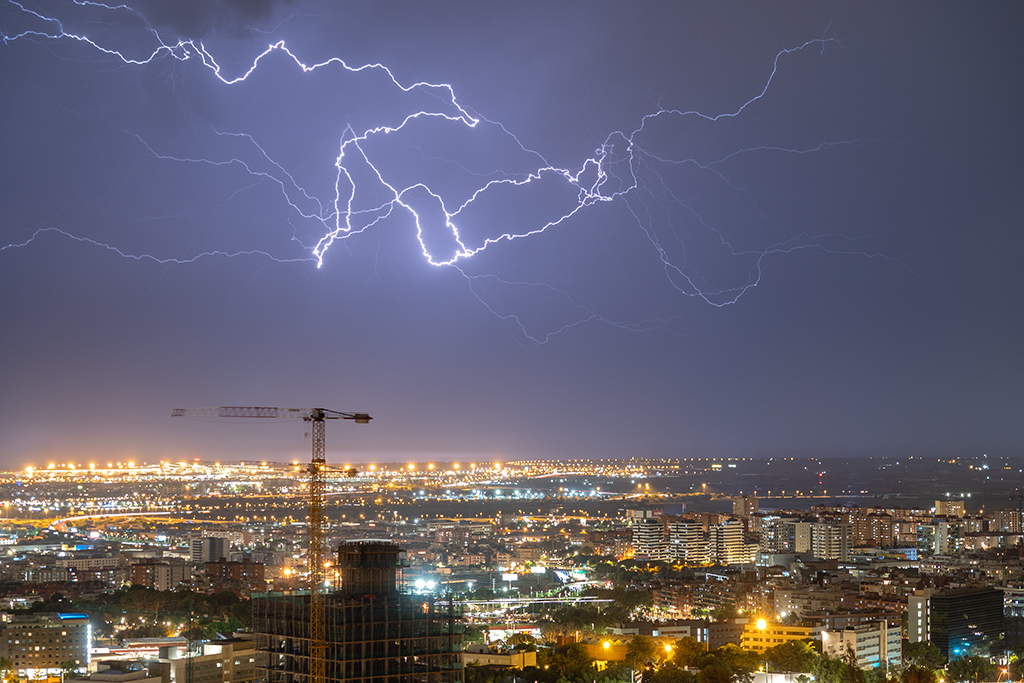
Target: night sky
[(811, 245)]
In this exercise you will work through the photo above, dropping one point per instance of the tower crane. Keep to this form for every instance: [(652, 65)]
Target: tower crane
[(317, 526)]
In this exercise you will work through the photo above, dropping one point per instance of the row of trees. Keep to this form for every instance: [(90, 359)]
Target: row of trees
[(686, 661), (149, 613)]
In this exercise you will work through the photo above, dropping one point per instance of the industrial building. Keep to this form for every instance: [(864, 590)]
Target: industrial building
[(374, 631)]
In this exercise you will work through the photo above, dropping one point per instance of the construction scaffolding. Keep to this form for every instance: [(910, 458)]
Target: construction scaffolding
[(373, 631)]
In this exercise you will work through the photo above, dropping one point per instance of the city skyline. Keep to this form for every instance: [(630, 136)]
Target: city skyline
[(786, 232)]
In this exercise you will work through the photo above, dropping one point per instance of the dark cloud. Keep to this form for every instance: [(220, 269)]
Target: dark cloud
[(199, 18)]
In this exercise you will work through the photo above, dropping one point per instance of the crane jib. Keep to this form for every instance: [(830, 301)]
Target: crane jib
[(237, 411), (264, 412)]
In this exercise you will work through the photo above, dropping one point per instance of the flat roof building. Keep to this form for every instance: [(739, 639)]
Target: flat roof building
[(758, 639), (876, 644), (42, 643)]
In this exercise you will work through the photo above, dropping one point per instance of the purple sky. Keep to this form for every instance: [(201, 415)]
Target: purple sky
[(159, 226)]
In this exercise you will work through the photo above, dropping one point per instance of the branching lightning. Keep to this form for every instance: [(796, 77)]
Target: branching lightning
[(627, 169)]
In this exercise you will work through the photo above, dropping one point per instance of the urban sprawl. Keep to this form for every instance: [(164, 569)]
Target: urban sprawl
[(706, 570)]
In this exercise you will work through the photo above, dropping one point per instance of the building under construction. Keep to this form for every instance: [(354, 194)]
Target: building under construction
[(374, 632)]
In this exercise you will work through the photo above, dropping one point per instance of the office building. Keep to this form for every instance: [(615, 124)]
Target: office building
[(967, 621)]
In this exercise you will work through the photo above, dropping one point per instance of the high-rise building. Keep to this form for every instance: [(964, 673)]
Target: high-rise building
[(1008, 520), (242, 577), (777, 534), (744, 507), (725, 542), (374, 631), (875, 528), (160, 575), (950, 508), (831, 540), (801, 537), (208, 549), (967, 621), (933, 538), (649, 542), (919, 613), (687, 542), (40, 644)]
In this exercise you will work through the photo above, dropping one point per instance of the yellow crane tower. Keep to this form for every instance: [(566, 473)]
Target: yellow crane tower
[(317, 525)]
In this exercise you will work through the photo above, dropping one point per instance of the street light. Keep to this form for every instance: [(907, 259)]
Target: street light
[(762, 626)]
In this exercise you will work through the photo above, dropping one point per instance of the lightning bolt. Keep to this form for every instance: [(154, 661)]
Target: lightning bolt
[(627, 169)]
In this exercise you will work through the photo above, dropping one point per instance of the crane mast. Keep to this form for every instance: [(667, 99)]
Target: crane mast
[(316, 529), (317, 538)]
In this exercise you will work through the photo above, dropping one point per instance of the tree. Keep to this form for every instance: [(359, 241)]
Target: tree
[(583, 617), (742, 663), (829, 669), (1016, 668), (228, 626), (794, 656), (726, 611), (687, 653), (641, 652), (670, 673), (69, 668), (918, 674), (854, 674), (146, 631), (715, 672), (194, 632), (572, 662), (7, 674), (523, 642), (536, 674), (488, 674), (923, 654), (972, 669), (876, 675), (474, 634), (616, 673)]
